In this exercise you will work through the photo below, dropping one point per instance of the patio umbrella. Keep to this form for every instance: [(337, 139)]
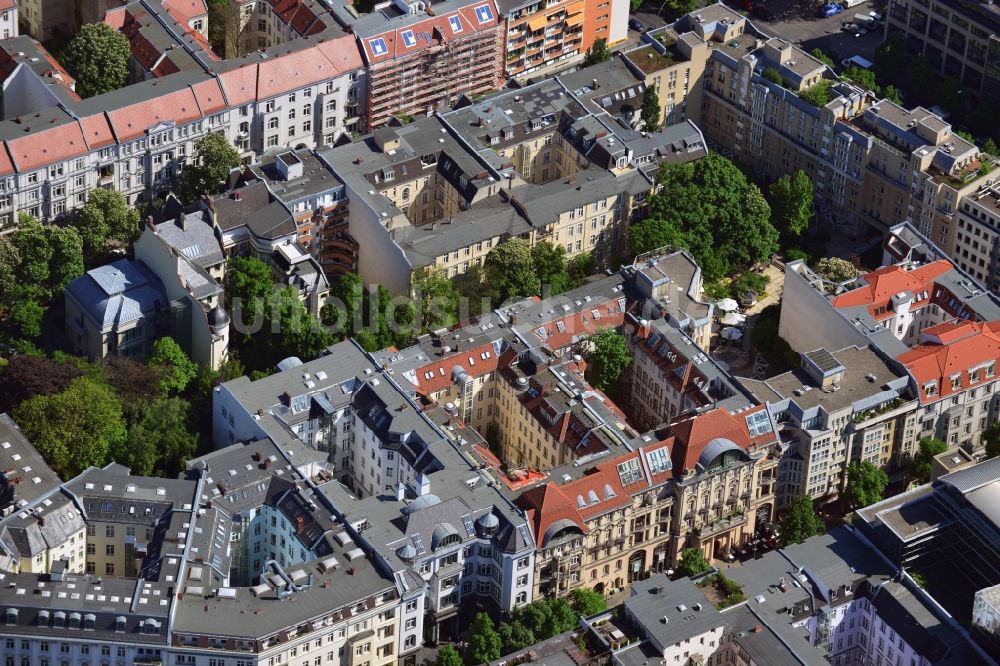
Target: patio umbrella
[(727, 305), (730, 333), (733, 319)]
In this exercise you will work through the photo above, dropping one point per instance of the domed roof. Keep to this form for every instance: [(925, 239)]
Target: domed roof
[(488, 521), (218, 317), (406, 551), (716, 448)]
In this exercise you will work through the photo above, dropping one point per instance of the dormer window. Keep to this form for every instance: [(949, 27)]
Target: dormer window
[(930, 388), (956, 382), (991, 369), (974, 375), (495, 139)]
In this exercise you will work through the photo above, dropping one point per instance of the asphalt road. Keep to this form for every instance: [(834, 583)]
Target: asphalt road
[(800, 23)]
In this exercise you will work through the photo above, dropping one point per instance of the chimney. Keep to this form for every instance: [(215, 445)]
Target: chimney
[(594, 84), (300, 522), (41, 521), (236, 195), (149, 222)]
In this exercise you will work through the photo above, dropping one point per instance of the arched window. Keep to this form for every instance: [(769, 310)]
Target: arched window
[(406, 194)]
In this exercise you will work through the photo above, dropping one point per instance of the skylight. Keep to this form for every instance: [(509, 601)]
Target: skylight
[(456, 23), (758, 423), (484, 13), (408, 38), (378, 46)]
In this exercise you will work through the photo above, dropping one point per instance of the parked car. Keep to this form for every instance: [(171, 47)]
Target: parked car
[(636, 24), (875, 15), (830, 9), (847, 26)]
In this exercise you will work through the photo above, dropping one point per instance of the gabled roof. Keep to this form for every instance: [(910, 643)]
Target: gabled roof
[(131, 122), (949, 351), (888, 281), (413, 38), (46, 144), (184, 11)]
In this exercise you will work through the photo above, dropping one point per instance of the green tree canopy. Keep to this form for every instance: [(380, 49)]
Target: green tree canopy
[(293, 330), (10, 261), (920, 464), (822, 57), (791, 199), (818, 94), (161, 440), (990, 147), (75, 428), (447, 655), (991, 438), (249, 283), (865, 484), (106, 216), (863, 77), (550, 264), (579, 268), (710, 208), (608, 359), (586, 603), (891, 56), (27, 314), (344, 304), (483, 644), (49, 257), (773, 75), (136, 383), (892, 94), (515, 636), (214, 157), (97, 57), (692, 562), (172, 366), (597, 53), (650, 112), (799, 521), (510, 270), (438, 299)]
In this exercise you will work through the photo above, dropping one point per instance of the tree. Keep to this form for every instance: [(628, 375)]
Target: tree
[(920, 71), (484, 642), (25, 377), (50, 256), (773, 75), (437, 297), (249, 282), (27, 314), (106, 216), (680, 7), (75, 428), (447, 655), (892, 94), (891, 57), (822, 57), (650, 113), (710, 208), (510, 270), (161, 440), (293, 330), (865, 484), (550, 265), (10, 260), (97, 57), (173, 368), (920, 464), (579, 268), (791, 199), (990, 147), (692, 562), (586, 603), (32, 242), (136, 383), (836, 269), (67, 257), (609, 358), (799, 521), (634, 5), (597, 53), (344, 304), (863, 77), (991, 438), (562, 617), (214, 157), (515, 636), (818, 94)]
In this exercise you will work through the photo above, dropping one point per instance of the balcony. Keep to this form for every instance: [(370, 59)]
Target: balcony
[(718, 526)]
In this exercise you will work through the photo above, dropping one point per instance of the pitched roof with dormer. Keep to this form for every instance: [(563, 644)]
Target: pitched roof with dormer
[(716, 431), (953, 357)]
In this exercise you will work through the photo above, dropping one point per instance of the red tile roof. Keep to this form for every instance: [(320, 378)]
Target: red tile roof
[(437, 376), (240, 84), (952, 349), (694, 432), (436, 27), (45, 145), (6, 166), (888, 281), (563, 332), (209, 96), (96, 131), (184, 11), (132, 121), (597, 492), (7, 4)]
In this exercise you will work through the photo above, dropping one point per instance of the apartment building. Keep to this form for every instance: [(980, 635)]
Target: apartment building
[(9, 24), (559, 167), (670, 375), (913, 313), (45, 19), (831, 599), (976, 235), (420, 56), (960, 40), (305, 185), (542, 35), (673, 64), (399, 469), (26, 476), (838, 407)]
